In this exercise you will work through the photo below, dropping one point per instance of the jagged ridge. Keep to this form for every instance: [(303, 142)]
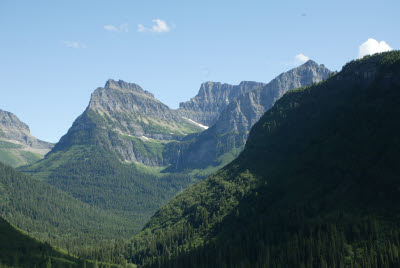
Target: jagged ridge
[(212, 98), (228, 135)]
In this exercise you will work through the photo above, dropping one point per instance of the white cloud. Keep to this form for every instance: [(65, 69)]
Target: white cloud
[(73, 44), (159, 26), (120, 28), (300, 59), (141, 28), (371, 46)]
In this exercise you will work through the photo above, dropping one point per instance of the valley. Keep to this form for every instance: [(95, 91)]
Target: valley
[(298, 172)]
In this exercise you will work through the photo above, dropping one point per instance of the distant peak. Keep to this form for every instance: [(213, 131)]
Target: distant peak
[(310, 63), (210, 84), (120, 84)]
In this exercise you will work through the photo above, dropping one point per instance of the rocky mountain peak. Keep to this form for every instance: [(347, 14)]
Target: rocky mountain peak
[(124, 117), (239, 115), (120, 96), (16, 140), (125, 86), (311, 63), (212, 98), (10, 123)]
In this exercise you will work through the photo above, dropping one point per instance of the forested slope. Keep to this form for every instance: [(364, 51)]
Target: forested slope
[(316, 186), (19, 250), (51, 215)]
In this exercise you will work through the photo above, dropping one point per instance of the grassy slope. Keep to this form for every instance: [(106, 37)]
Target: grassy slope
[(320, 167), (13, 155)]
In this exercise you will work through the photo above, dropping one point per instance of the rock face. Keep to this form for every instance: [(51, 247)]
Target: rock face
[(17, 145), (229, 133), (124, 118), (212, 98), (247, 109), (130, 110)]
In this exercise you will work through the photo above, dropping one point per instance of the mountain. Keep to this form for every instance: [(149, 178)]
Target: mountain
[(317, 184), (51, 215), (118, 154), (223, 141), (17, 146), (127, 120), (104, 159), (211, 100)]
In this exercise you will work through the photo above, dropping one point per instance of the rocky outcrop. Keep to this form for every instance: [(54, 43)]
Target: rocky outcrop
[(229, 133), (16, 140), (130, 110), (212, 98)]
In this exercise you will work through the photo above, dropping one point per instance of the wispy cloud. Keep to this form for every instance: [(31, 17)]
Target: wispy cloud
[(300, 59), (73, 44), (117, 28), (372, 46), (159, 26)]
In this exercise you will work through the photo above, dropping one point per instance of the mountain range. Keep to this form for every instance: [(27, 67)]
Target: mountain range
[(222, 142), (128, 153), (298, 172)]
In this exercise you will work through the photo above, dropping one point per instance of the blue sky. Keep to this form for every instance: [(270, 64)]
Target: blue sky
[(54, 54)]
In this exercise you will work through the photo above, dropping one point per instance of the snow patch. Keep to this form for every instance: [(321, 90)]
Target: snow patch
[(197, 124)]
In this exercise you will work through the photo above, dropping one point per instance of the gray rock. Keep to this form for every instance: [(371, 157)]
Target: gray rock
[(212, 98), (15, 131), (230, 131), (128, 120), (16, 140)]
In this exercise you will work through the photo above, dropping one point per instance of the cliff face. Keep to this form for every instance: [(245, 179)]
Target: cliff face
[(247, 109), (130, 110), (212, 99), (229, 133), (124, 118), (17, 145)]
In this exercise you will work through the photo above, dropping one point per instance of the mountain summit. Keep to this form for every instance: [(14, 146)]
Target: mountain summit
[(212, 99), (17, 145), (122, 116)]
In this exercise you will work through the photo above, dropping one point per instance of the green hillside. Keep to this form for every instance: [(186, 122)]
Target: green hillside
[(316, 186), (97, 177), (17, 146), (14, 155), (19, 250), (51, 215), (106, 158)]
